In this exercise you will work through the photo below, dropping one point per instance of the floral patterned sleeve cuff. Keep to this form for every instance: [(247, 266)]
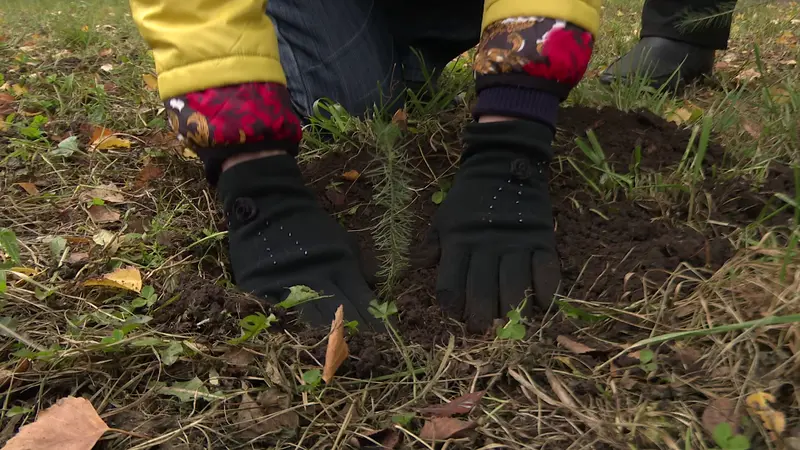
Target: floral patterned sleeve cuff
[(525, 66), (221, 122)]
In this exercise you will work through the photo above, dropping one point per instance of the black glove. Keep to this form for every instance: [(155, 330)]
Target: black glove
[(281, 237), (494, 230)]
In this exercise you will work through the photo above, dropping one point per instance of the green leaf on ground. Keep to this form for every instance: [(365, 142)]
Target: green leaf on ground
[(172, 353), (57, 246), (299, 295), (512, 331), (66, 148), (9, 244), (189, 391), (252, 326)]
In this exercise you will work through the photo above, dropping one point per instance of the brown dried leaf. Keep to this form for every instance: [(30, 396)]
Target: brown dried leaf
[(460, 405), (441, 428), (752, 128), (30, 188), (77, 257), (148, 173), (573, 346), (103, 214), (748, 75), (386, 438), (106, 192), (560, 390), (238, 357), (270, 413), (6, 103), (351, 175), (337, 350), (71, 424), (400, 118), (7, 375), (719, 411)]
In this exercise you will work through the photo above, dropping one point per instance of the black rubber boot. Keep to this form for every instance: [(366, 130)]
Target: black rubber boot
[(663, 61)]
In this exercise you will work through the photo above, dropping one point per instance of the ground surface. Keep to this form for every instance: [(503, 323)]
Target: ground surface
[(677, 231)]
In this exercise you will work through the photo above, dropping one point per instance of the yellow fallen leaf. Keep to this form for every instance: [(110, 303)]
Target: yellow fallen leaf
[(126, 278), (4, 126), (71, 424), (85, 28), (110, 143), (351, 175), (150, 81), (189, 153), (18, 89), (30, 188), (400, 118), (24, 270), (760, 405), (337, 350)]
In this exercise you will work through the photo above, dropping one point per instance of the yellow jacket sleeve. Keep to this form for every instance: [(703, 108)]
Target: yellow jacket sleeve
[(200, 44), (584, 13)]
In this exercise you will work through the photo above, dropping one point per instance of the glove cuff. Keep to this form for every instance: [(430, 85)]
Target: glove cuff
[(532, 139), (221, 122), (518, 102)]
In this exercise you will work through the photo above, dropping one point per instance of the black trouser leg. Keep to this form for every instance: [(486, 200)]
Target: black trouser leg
[(666, 18)]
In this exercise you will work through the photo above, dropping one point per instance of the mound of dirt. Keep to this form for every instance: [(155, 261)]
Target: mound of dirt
[(606, 247)]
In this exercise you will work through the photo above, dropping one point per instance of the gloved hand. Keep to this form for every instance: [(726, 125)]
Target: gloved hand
[(494, 231), (281, 237)]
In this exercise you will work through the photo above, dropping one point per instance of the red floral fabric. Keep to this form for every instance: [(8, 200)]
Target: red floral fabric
[(545, 48), (220, 122)]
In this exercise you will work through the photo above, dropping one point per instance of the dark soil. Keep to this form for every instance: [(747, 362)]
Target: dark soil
[(609, 249)]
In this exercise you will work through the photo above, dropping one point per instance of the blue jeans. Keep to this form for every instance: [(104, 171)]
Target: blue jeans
[(358, 52)]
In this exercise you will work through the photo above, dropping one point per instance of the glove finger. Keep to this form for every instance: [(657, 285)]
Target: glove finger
[(357, 295), (452, 280), (482, 291), (428, 254), (546, 278), (515, 279)]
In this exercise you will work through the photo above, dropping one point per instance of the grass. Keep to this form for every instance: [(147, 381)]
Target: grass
[(161, 379)]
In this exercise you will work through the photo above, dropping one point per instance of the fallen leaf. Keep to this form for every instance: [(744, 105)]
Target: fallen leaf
[(77, 257), (760, 405), (103, 214), (150, 81), (789, 62), (679, 116), (30, 188), (7, 375), (106, 192), (106, 67), (104, 139), (238, 357), (103, 238), (573, 346), (85, 28), (6, 103), (4, 126), (460, 405), (351, 175), (752, 128), (748, 75), (124, 278), (148, 173), (18, 89), (387, 438), (787, 38), (106, 52), (337, 350), (400, 118), (268, 414), (71, 424), (189, 153), (190, 391), (721, 410), (441, 428)]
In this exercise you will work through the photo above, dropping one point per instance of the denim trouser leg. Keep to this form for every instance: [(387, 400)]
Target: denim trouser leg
[(356, 52)]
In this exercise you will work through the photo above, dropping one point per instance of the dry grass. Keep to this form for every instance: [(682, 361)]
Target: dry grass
[(69, 339)]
